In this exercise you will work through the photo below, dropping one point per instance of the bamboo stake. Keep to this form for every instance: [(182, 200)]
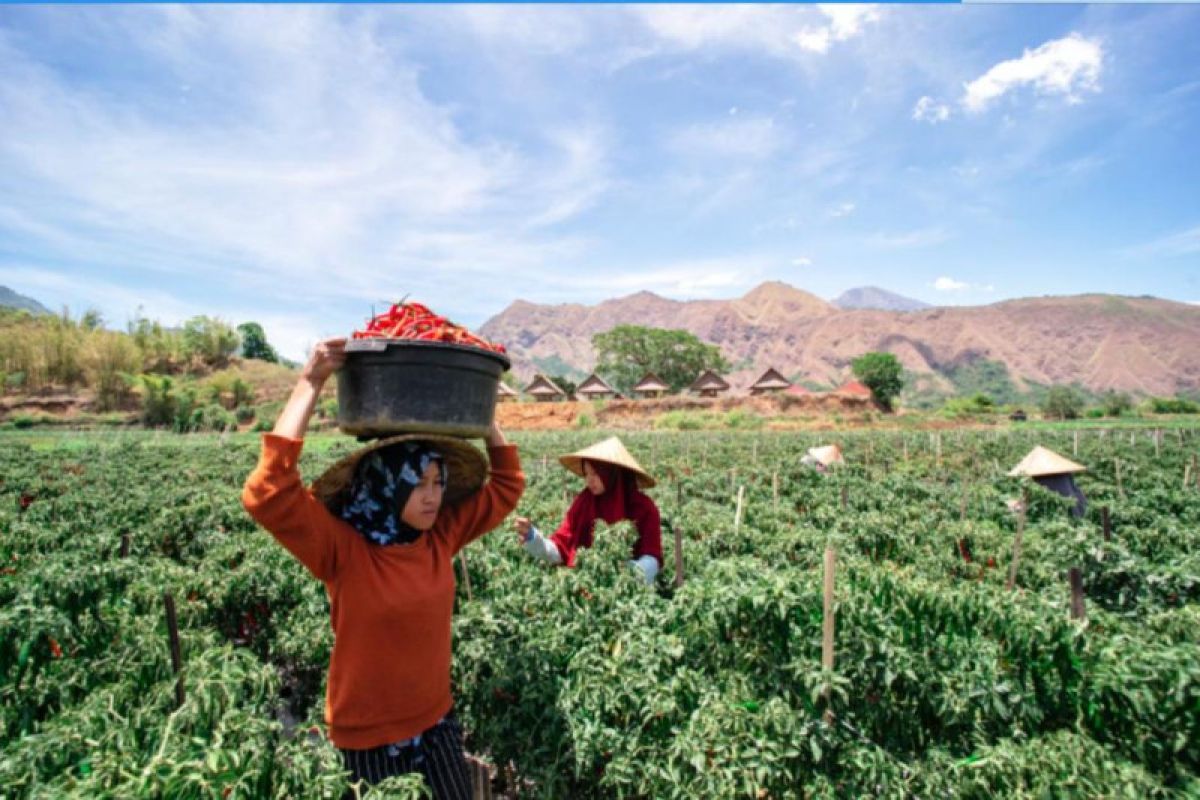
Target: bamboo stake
[(1195, 471), (1106, 522), (775, 489), (678, 556), (737, 517), (124, 545), (173, 637), (827, 623), (1075, 448), (1016, 556), (1120, 488), (462, 562), (1157, 443), (845, 497), (1078, 610)]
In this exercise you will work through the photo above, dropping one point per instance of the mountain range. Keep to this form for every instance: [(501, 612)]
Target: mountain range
[(1142, 345), (10, 299)]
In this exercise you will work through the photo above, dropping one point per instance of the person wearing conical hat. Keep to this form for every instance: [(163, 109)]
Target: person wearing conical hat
[(380, 529), (613, 484), (822, 459), (1054, 472)]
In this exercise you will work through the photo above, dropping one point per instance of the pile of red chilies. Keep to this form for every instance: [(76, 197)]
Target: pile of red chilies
[(415, 321)]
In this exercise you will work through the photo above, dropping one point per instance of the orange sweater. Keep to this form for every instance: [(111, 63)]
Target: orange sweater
[(390, 607)]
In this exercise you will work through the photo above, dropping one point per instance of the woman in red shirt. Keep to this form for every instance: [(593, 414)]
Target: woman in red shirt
[(613, 491), (380, 529)]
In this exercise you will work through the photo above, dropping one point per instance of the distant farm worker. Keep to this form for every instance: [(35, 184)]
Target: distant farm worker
[(1054, 472), (380, 529), (823, 459), (613, 484)]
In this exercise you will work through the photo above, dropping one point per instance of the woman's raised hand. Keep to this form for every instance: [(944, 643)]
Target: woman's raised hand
[(327, 357)]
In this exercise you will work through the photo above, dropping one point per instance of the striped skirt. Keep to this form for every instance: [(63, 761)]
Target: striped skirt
[(437, 754)]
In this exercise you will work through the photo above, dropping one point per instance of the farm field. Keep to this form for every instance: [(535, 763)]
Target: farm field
[(586, 684)]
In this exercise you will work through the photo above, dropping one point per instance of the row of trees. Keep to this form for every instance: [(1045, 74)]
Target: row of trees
[(37, 352)]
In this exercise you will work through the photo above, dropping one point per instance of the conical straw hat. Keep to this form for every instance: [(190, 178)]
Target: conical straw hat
[(610, 451), (1042, 461), (466, 468), (828, 455)]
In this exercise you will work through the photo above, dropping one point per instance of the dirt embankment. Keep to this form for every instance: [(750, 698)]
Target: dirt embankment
[(637, 414)]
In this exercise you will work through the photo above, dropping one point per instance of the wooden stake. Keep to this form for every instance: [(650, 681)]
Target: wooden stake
[(737, 517), (173, 638), (1195, 471), (124, 545), (1106, 521), (1187, 475), (775, 489), (1120, 488), (1157, 443), (845, 497), (904, 448), (678, 556), (755, 455), (1078, 611), (827, 624), (1016, 556), (1075, 448), (462, 563)]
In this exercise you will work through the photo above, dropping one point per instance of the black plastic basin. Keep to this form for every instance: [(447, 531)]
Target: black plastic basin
[(391, 386)]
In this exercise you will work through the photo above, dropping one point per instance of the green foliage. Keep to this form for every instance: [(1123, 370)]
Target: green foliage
[(254, 343), (228, 390), (210, 340), (882, 373), (243, 414), (975, 405), (1062, 402), (627, 352), (591, 685), (985, 376), (1115, 404), (109, 359), (585, 422), (1173, 405), (563, 382), (158, 400)]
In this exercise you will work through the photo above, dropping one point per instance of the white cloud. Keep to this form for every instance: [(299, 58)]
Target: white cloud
[(931, 111), (1069, 67), (747, 137), (777, 30), (946, 284), (305, 160), (843, 210), (844, 23), (803, 261)]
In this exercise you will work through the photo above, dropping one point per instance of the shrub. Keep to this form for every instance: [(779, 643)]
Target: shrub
[(243, 414), (1173, 405)]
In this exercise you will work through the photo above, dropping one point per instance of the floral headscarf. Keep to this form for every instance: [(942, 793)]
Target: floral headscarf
[(383, 482)]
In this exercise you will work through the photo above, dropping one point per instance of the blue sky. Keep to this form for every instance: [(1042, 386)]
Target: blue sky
[(295, 165)]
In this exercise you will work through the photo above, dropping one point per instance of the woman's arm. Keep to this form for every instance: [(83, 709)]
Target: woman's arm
[(488, 507), (327, 358), (274, 494)]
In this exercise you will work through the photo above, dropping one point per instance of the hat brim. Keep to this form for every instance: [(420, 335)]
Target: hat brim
[(466, 469), (575, 464)]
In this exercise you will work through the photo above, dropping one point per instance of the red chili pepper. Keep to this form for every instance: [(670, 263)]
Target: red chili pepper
[(415, 321), (55, 650)]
